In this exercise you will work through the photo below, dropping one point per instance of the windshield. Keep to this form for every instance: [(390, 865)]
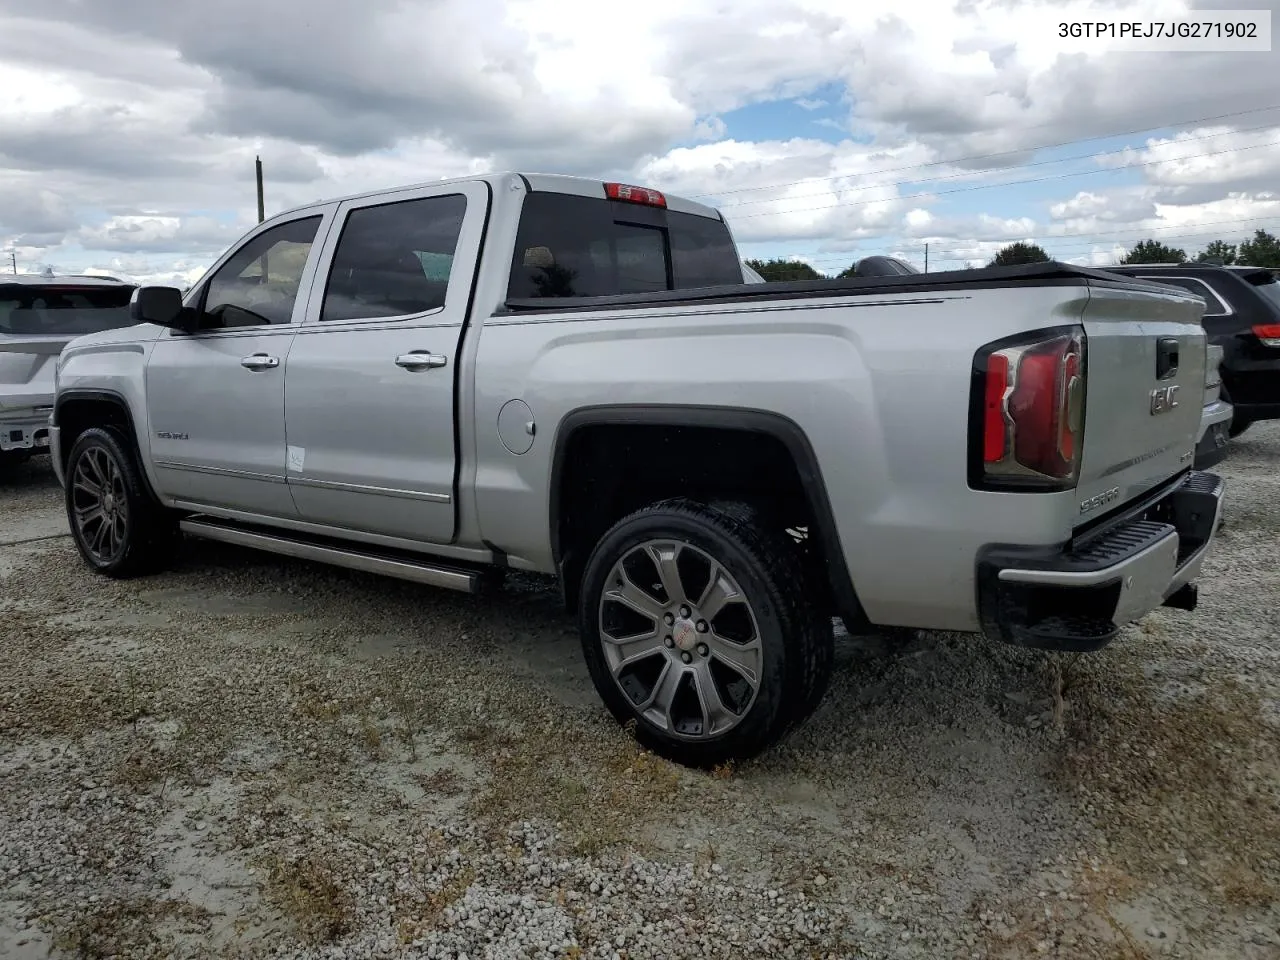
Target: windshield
[(48, 310)]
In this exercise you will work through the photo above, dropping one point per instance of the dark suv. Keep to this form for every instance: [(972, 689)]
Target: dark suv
[(1243, 317)]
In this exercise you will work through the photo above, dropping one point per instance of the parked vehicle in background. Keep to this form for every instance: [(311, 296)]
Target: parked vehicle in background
[(1215, 419), (560, 375), (39, 315), (1242, 316)]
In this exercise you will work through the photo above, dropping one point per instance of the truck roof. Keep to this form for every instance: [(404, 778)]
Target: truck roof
[(539, 182), (79, 280)]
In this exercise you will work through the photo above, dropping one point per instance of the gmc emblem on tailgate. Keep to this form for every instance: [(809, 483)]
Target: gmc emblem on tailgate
[(1163, 399)]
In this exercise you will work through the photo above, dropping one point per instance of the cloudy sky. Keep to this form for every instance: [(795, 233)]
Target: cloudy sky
[(825, 129)]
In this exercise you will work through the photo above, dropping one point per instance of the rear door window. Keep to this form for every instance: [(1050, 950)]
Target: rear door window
[(394, 259), (55, 310), (572, 246)]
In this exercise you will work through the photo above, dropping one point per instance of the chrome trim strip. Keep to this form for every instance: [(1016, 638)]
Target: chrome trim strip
[(365, 488), (460, 580), (217, 471)]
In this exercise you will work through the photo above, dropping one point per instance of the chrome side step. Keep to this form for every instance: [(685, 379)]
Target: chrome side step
[(401, 567)]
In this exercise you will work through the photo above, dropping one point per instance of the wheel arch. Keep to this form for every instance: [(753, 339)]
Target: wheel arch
[(76, 410), (739, 421)]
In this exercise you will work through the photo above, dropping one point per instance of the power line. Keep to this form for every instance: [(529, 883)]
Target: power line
[(988, 156), (1024, 166), (1006, 183)]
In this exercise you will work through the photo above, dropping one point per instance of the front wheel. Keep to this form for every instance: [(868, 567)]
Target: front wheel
[(118, 527), (697, 627)]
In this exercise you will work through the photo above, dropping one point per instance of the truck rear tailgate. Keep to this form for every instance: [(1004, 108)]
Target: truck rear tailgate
[(1145, 388)]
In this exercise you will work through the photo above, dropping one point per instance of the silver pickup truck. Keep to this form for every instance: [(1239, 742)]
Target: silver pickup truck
[(569, 377)]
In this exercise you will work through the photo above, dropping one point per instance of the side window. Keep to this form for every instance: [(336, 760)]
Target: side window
[(1214, 307), (394, 259), (259, 284)]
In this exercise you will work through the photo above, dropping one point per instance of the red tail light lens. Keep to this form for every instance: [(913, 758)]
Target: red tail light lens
[(629, 194), (1032, 412), (1268, 333)]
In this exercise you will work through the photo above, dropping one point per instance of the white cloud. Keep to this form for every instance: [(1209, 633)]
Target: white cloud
[(130, 126)]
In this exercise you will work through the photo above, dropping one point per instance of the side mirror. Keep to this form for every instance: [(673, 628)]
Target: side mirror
[(158, 305)]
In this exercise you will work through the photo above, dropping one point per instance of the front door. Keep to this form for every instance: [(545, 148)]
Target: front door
[(369, 403), (215, 397)]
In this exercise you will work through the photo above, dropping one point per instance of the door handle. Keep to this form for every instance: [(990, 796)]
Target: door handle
[(420, 360), (260, 361)]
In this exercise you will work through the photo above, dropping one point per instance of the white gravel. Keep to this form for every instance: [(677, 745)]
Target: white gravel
[(250, 757)]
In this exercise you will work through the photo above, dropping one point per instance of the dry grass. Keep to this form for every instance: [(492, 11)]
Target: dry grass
[(306, 892), (437, 902), (446, 782), (128, 927), (602, 791), (1191, 778)]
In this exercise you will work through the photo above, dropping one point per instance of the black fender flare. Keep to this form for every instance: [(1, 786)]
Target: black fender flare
[(745, 419)]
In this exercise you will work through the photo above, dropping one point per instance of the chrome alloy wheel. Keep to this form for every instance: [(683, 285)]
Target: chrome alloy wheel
[(100, 504), (680, 639)]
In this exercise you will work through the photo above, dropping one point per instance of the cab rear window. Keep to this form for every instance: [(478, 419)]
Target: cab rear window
[(571, 246), (45, 310)]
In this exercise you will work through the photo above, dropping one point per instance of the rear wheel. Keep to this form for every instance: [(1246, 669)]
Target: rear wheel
[(118, 527), (697, 627)]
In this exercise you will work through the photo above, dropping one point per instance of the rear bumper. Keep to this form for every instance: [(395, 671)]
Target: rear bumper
[(1079, 595), (24, 430), (1214, 434)]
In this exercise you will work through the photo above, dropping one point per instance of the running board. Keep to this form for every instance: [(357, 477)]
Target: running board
[(401, 566)]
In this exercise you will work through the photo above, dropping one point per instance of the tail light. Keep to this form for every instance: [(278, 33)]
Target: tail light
[(1028, 412), (629, 194), (1268, 334)]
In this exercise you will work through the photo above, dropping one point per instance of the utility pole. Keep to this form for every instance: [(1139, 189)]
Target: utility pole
[(257, 163), (926, 258), (13, 258)]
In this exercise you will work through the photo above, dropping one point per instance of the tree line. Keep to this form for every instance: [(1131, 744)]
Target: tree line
[(1260, 250)]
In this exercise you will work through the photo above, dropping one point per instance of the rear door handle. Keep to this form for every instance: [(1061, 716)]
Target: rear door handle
[(260, 361), (420, 360)]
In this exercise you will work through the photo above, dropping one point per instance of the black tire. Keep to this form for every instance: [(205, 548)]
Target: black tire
[(141, 536), (794, 643)]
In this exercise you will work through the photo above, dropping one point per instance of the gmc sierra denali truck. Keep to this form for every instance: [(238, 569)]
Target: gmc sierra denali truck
[(570, 377)]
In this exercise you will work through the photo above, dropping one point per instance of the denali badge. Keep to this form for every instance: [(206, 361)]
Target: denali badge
[(1164, 399), (1105, 497)]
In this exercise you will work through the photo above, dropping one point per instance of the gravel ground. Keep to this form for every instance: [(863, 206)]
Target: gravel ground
[(253, 757)]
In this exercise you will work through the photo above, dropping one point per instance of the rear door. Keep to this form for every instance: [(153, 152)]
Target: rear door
[(1145, 390), (371, 382)]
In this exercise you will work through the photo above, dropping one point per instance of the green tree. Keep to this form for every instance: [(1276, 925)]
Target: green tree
[(1153, 251), (1262, 251), (1019, 253), (1219, 251), (779, 269)]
